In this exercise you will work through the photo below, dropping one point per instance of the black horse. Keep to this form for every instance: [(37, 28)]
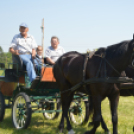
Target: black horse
[(129, 72), (68, 71)]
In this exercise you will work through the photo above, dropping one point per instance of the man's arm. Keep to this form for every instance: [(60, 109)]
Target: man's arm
[(34, 46), (15, 52), (33, 53), (48, 55), (50, 61), (13, 46)]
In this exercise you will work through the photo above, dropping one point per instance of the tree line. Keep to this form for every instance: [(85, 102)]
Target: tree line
[(5, 57)]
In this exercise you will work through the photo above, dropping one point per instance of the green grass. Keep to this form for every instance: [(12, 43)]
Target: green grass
[(39, 125), (2, 72)]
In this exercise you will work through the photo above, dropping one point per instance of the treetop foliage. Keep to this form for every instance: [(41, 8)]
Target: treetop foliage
[(5, 57)]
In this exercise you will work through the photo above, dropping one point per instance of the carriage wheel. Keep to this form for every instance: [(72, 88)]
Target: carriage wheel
[(53, 105), (21, 111), (79, 111), (2, 107)]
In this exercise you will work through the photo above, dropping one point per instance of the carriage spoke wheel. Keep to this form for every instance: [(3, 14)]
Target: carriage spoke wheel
[(21, 111), (2, 107), (79, 112), (54, 104)]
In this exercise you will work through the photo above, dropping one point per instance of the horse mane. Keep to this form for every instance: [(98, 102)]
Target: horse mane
[(115, 50)]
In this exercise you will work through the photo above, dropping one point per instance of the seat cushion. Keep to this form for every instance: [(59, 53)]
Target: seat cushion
[(47, 74)]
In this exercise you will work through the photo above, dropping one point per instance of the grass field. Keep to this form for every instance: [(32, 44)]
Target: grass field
[(39, 125), (1, 72)]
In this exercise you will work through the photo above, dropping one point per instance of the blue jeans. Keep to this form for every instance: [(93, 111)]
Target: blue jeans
[(27, 60), (38, 65)]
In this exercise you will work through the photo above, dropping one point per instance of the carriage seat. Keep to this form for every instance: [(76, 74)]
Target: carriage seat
[(14, 74), (47, 74), (18, 62)]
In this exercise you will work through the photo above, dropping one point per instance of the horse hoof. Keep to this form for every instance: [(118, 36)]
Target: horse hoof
[(87, 132), (71, 131), (108, 132), (61, 131), (133, 129)]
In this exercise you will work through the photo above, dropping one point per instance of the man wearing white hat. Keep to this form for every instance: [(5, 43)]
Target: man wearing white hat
[(25, 46)]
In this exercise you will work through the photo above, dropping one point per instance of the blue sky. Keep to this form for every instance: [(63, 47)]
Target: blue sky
[(79, 24)]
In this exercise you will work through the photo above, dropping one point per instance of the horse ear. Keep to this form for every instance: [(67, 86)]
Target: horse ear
[(133, 36)]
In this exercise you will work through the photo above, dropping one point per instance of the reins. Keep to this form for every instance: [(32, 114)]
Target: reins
[(103, 58), (96, 79)]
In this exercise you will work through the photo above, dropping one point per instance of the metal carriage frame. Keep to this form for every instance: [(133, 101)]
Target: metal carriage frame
[(42, 97)]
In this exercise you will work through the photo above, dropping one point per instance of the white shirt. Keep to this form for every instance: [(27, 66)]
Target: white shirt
[(54, 54), (23, 44)]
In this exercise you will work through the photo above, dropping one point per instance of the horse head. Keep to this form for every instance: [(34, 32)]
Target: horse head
[(121, 54)]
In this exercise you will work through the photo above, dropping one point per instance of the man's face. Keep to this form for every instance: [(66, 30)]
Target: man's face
[(23, 30), (54, 43)]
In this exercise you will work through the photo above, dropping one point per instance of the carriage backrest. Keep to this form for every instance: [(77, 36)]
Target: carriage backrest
[(18, 63), (11, 75)]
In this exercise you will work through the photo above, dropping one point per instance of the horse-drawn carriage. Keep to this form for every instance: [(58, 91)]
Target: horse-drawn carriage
[(43, 96), (98, 75)]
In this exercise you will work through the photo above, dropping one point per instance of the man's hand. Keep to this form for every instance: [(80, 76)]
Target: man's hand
[(33, 56), (50, 61), (33, 53), (16, 52)]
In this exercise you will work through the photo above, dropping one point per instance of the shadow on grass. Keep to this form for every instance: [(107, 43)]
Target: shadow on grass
[(38, 125)]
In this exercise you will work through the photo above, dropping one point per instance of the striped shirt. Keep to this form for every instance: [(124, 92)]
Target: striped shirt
[(54, 54)]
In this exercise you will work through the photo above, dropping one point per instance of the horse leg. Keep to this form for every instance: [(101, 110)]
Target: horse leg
[(90, 109), (113, 105), (61, 125), (66, 100), (65, 108), (103, 124), (97, 114)]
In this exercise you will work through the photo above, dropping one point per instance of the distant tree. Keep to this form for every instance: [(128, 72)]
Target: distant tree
[(88, 51), (8, 58), (1, 50), (2, 55), (5, 57)]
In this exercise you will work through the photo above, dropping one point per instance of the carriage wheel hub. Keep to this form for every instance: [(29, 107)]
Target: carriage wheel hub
[(77, 110)]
